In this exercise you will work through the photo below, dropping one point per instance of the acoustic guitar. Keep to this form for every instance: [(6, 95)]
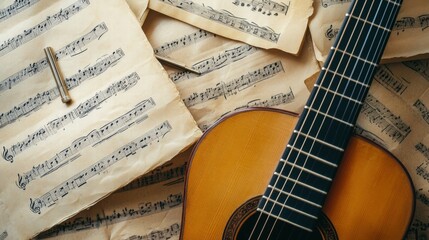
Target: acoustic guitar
[(237, 188)]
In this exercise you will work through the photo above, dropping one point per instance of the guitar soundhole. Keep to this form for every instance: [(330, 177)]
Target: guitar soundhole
[(248, 224)]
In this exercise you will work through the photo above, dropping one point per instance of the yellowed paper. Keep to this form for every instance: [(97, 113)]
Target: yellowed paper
[(408, 39), (125, 118), (234, 75), (264, 24), (395, 115), (140, 9), (150, 207)]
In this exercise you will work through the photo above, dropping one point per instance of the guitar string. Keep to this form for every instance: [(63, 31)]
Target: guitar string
[(362, 90), (305, 118), (353, 89)]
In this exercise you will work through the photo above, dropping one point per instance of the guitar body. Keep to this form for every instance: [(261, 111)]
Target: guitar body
[(371, 196)]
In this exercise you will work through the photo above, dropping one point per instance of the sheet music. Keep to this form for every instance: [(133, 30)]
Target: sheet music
[(139, 8), (408, 39), (265, 24), (125, 119), (150, 207), (395, 115), (234, 75)]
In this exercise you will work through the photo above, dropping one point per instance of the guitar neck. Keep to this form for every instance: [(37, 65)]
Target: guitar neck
[(303, 176)]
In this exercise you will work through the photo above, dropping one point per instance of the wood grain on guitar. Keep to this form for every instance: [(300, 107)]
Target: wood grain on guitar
[(371, 198)]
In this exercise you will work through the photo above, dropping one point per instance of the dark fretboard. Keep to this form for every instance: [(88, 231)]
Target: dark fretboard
[(303, 176)]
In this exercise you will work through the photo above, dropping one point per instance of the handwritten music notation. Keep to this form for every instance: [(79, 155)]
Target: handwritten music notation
[(419, 66), (422, 110), (388, 123), (78, 180), (16, 7), (96, 136), (51, 21), (118, 215), (327, 3), (274, 100), (233, 87), (422, 171), (164, 234), (182, 42), (82, 110), (266, 7), (74, 48), (417, 230), (34, 103), (404, 23), (385, 77), (156, 176), (215, 62), (225, 18), (401, 25)]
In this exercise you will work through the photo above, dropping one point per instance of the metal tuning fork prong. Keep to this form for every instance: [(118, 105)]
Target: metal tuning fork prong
[(59, 80)]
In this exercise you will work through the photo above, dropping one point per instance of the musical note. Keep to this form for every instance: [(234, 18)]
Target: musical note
[(422, 109), (80, 111), (128, 213), (417, 230), (73, 48), (419, 66), (16, 7), (266, 7), (78, 180), (226, 18), (384, 119), (96, 136), (3, 235), (385, 77), (163, 234), (422, 197), (51, 21), (234, 86), (156, 176), (422, 171), (36, 102), (182, 42), (215, 62), (423, 149), (327, 3)]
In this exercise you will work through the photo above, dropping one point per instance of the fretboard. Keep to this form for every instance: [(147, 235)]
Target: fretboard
[(302, 179)]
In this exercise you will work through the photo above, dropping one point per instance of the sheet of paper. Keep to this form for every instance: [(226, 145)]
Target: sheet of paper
[(265, 24), (139, 8), (126, 116), (408, 39), (396, 116), (150, 207), (234, 75)]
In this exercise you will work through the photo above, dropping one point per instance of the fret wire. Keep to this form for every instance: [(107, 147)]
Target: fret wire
[(319, 111), (312, 156), (357, 57), (296, 197), (368, 22), (305, 169), (302, 184), (340, 95), (345, 77), (319, 140)]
